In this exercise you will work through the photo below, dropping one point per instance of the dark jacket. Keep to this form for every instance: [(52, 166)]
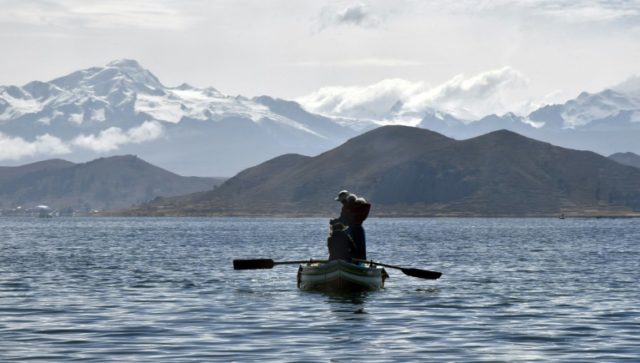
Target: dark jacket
[(341, 246)]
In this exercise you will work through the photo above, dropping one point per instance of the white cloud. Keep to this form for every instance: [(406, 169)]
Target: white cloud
[(149, 130), (113, 137), (14, 148), (474, 97), (373, 101), (355, 15), (468, 98)]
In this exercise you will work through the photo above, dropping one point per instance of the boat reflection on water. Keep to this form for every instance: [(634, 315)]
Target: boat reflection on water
[(348, 306), (346, 286)]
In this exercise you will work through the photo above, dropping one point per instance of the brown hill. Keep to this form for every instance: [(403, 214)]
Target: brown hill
[(410, 171), (10, 172), (103, 184)]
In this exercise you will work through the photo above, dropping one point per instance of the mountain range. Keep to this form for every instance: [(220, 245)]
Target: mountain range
[(407, 171), (107, 183), (605, 122), (122, 108)]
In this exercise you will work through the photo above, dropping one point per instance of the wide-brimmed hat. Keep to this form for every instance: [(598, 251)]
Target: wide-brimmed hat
[(342, 195)]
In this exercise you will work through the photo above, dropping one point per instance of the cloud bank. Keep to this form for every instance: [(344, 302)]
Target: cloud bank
[(467, 98), (113, 137), (14, 148)]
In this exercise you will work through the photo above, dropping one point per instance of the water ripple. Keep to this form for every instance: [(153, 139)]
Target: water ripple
[(84, 289)]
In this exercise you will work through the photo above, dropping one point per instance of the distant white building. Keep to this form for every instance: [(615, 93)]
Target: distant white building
[(44, 211)]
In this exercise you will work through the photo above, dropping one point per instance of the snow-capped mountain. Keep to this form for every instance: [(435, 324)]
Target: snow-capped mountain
[(587, 109), (123, 107), (590, 121), (98, 94), (605, 122)]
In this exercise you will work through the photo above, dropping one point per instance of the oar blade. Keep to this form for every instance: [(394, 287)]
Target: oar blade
[(422, 274), (261, 263)]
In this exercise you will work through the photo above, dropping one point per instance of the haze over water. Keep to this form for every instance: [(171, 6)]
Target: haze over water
[(142, 289)]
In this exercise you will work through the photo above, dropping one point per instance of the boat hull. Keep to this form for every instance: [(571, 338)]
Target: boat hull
[(339, 275)]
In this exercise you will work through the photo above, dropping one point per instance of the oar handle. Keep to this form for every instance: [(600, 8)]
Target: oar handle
[(258, 263), (267, 263)]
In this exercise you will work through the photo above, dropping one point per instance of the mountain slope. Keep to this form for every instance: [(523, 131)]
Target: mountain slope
[(105, 183), (410, 171), (12, 172), (628, 158)]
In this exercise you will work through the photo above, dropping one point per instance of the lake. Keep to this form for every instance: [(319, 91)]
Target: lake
[(164, 290)]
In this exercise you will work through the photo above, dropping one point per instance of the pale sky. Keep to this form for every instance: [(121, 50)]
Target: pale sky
[(502, 54)]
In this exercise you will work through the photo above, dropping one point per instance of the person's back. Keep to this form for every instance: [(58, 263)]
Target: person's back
[(355, 211), (340, 244)]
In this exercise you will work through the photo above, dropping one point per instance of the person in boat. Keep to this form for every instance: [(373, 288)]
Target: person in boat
[(354, 211), (340, 243)]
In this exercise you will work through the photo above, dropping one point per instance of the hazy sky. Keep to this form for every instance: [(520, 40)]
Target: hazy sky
[(501, 53)]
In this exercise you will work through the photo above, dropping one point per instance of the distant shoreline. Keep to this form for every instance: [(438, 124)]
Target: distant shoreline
[(384, 216), (291, 216)]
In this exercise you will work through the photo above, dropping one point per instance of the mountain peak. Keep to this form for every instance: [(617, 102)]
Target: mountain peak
[(132, 69), (583, 95), (506, 134), (392, 137), (125, 63), (184, 87), (118, 77), (627, 158)]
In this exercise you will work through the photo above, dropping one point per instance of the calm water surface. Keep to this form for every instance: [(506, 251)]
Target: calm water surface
[(94, 289)]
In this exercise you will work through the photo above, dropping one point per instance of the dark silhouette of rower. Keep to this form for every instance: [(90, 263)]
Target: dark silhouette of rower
[(340, 243), (354, 211)]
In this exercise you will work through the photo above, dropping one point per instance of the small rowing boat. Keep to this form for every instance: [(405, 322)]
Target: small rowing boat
[(339, 275)]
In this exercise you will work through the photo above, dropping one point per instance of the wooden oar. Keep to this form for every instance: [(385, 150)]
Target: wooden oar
[(415, 272), (265, 263)]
